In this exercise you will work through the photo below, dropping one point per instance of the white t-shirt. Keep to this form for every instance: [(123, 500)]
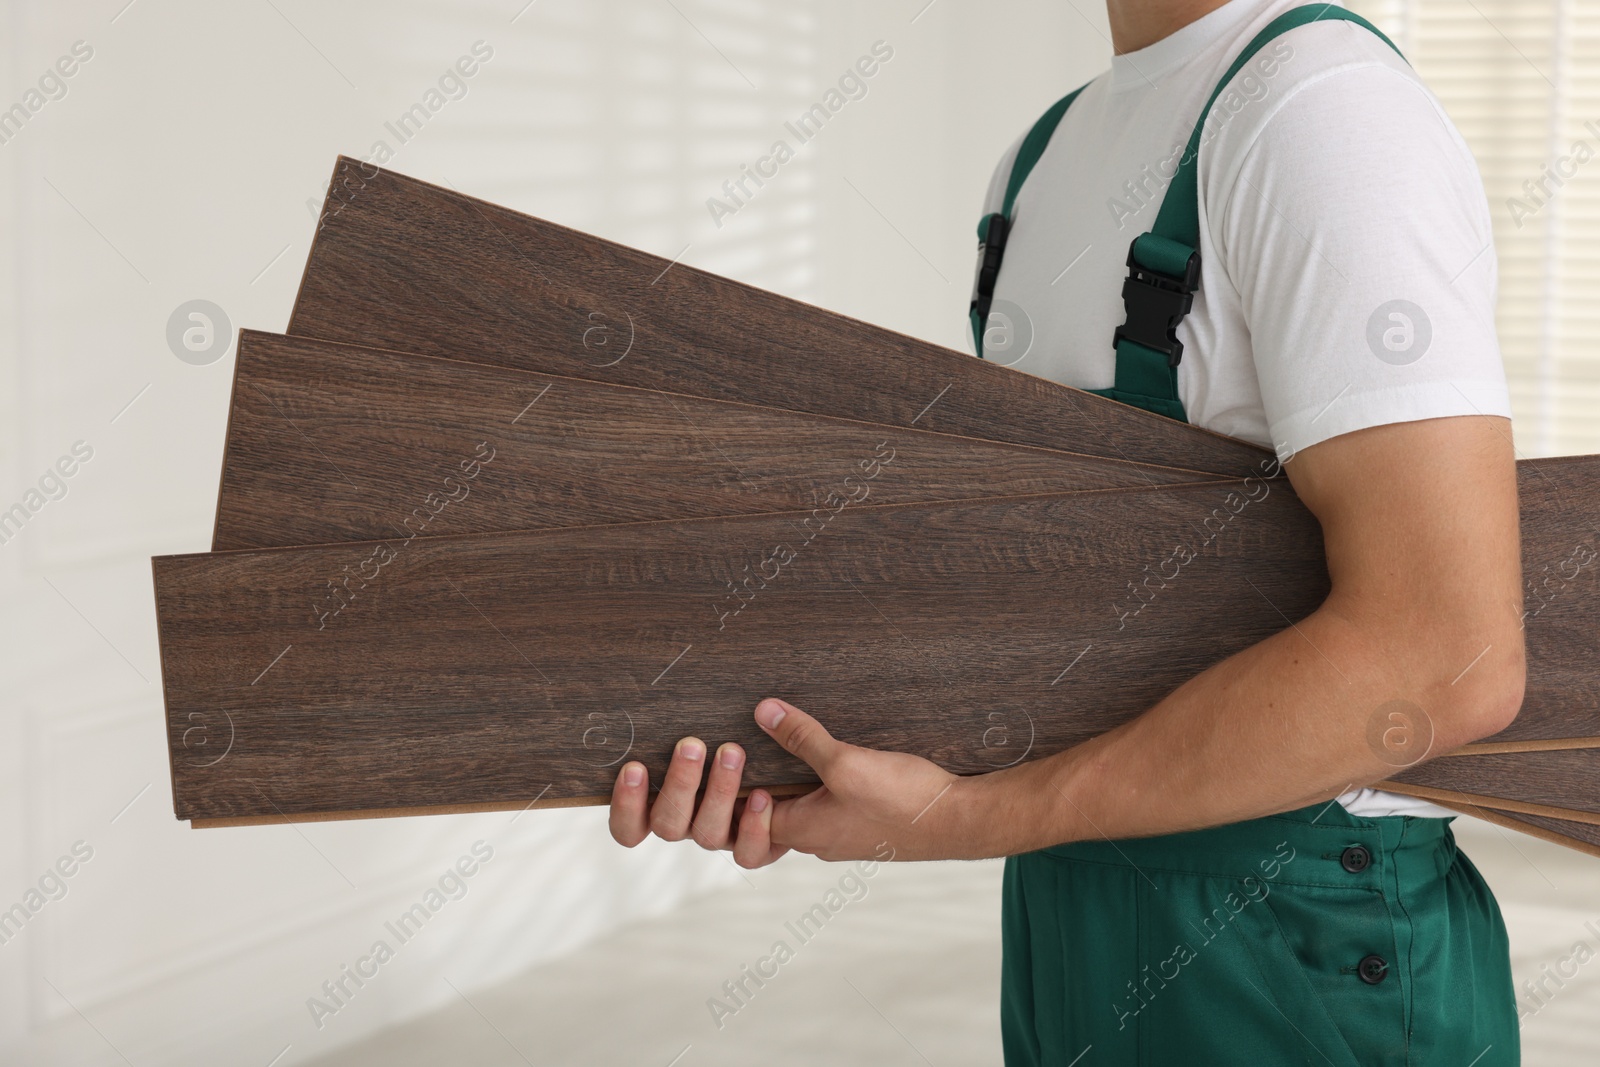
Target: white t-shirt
[(1347, 265)]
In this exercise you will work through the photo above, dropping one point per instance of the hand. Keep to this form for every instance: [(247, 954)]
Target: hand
[(673, 816), (871, 804)]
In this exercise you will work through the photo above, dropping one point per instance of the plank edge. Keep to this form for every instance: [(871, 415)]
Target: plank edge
[(215, 822), (1450, 796), (1507, 822)]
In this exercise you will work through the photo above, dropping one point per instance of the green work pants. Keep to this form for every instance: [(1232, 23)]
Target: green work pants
[(1312, 937)]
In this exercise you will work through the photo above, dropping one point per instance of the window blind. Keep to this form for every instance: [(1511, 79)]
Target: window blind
[(1521, 80)]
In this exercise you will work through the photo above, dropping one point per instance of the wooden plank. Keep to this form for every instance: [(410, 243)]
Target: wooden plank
[(499, 668), (1023, 609), (1584, 837), (1516, 807), (330, 442), (1559, 498), (1490, 747), (538, 802), (1562, 783), (570, 452), (401, 264)]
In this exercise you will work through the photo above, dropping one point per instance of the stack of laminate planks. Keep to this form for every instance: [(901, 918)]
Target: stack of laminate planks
[(510, 504)]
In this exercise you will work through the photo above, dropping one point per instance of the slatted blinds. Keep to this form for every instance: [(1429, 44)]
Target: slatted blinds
[(1521, 80)]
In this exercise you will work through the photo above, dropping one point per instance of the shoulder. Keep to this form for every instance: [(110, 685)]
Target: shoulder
[(1345, 139), (1349, 219), (1315, 93)]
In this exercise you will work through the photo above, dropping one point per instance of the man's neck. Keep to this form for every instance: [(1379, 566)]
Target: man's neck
[(1137, 24)]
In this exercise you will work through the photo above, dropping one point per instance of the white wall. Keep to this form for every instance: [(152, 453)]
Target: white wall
[(967, 80), (178, 166)]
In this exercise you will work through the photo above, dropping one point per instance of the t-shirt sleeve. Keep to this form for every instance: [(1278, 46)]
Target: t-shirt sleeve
[(1357, 233)]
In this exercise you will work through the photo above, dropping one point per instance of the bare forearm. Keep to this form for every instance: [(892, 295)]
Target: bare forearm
[(1419, 522), (1286, 723)]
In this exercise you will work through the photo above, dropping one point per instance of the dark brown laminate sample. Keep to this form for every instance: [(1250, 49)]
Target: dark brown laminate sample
[(1564, 783), (1585, 837), (470, 670), (336, 443), (330, 442), (401, 264), (494, 669)]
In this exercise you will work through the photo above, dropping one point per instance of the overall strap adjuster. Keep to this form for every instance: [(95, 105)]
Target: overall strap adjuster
[(1157, 300), (992, 233)]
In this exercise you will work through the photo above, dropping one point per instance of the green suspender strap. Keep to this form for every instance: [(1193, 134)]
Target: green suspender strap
[(1163, 264), (993, 228)]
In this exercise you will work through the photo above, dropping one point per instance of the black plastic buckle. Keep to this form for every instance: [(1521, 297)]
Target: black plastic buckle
[(1155, 304), (994, 251)]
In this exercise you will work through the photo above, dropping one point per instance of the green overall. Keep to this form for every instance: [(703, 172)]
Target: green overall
[(1309, 937)]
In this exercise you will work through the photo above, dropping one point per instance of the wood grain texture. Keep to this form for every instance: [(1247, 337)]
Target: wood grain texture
[(1562, 783), (499, 668), (1583, 837), (337, 443), (1514, 807), (401, 264), (946, 629), (330, 442), (432, 302)]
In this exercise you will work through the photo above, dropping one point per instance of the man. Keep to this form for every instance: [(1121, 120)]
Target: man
[(1211, 883)]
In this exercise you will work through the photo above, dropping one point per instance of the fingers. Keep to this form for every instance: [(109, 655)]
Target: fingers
[(630, 805), (753, 847), (714, 819), (673, 809), (672, 815), (799, 734)]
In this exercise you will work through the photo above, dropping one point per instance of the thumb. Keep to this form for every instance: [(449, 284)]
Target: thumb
[(799, 734)]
